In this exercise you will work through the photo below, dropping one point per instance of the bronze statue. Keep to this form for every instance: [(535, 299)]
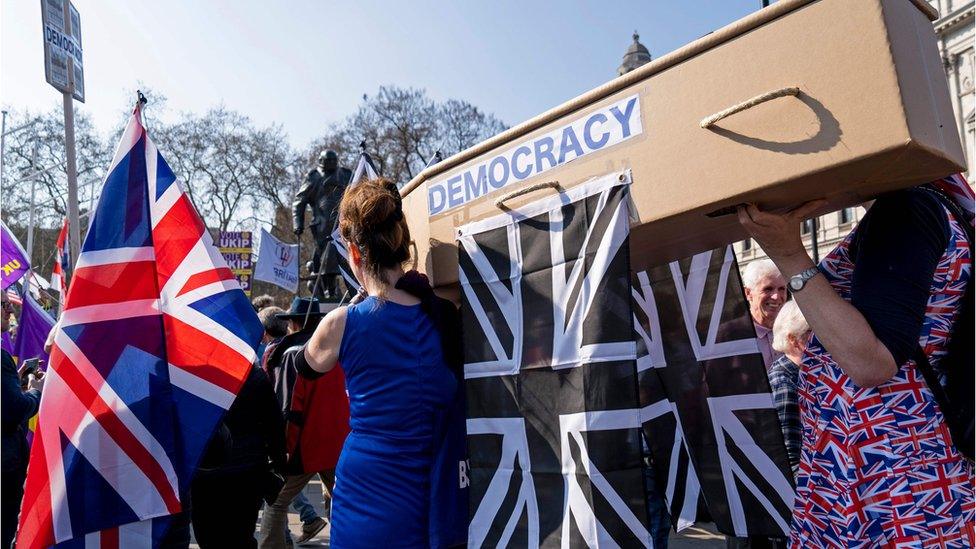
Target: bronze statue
[(322, 190)]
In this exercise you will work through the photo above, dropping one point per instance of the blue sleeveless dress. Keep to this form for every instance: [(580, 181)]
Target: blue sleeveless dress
[(399, 390)]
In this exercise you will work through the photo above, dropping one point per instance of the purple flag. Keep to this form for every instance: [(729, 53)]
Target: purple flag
[(7, 343), (32, 328), (13, 259)]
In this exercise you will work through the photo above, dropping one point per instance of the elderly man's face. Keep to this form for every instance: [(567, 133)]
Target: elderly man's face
[(766, 298)]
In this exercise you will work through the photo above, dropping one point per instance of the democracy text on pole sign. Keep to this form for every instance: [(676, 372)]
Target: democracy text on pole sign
[(62, 42), (595, 131)]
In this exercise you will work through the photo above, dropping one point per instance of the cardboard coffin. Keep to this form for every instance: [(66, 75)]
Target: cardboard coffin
[(836, 99)]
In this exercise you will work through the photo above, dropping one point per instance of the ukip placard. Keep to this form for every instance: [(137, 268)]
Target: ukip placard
[(13, 259), (277, 262)]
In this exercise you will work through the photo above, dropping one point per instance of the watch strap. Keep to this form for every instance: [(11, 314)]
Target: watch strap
[(804, 276)]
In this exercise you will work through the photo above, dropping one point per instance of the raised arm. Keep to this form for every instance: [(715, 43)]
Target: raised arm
[(842, 329), (322, 350), (18, 406)]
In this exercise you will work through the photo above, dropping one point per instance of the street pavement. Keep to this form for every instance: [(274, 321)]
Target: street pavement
[(702, 536)]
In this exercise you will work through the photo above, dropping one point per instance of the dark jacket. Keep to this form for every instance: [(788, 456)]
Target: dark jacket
[(251, 434), (18, 406), (283, 374), (317, 411)]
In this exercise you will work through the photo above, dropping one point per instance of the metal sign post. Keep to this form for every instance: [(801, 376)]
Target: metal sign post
[(64, 69), (74, 232), (3, 143), (33, 195)]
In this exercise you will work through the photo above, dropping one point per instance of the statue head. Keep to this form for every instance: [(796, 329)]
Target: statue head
[(328, 160)]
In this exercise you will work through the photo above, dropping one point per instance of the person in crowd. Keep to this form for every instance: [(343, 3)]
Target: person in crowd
[(766, 292), (659, 519), (262, 302), (242, 465), (400, 348), (18, 406), (314, 442), (878, 465), (791, 334), (275, 329)]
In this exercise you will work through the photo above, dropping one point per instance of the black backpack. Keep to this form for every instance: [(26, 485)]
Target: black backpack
[(957, 395)]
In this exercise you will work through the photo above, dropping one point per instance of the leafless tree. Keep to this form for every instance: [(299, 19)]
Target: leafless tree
[(233, 171), (49, 168), (463, 125), (403, 128)]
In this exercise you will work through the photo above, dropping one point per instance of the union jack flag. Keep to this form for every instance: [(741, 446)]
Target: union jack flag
[(155, 340), (365, 169), (550, 367), (62, 261), (713, 431)]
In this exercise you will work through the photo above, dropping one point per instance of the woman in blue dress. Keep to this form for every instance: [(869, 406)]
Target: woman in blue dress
[(395, 350)]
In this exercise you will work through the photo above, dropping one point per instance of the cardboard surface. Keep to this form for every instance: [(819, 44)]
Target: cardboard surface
[(873, 114)]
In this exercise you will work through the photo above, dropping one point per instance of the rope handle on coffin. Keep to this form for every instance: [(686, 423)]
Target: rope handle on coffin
[(748, 104), (500, 203)]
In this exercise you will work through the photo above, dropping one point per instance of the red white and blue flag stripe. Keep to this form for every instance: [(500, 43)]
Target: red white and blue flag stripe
[(62, 260), (155, 340)]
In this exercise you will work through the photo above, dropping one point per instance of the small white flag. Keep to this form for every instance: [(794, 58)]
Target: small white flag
[(277, 262)]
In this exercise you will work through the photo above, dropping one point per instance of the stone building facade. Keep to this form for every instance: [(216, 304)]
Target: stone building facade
[(956, 31)]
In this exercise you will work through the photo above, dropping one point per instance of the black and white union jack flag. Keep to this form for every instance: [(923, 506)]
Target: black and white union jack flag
[(713, 431), (553, 428), (364, 170)]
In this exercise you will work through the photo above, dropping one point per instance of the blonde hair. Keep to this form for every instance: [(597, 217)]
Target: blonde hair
[(789, 322)]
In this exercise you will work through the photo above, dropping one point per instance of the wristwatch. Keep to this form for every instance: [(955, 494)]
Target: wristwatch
[(797, 282)]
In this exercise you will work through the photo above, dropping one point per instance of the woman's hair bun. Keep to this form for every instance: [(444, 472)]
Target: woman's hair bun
[(371, 217)]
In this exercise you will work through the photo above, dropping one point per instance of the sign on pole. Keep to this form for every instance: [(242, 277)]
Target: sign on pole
[(64, 69), (63, 60), (236, 247), (277, 262)]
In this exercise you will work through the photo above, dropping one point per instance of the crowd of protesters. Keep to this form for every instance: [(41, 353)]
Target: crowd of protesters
[(860, 360), (20, 398)]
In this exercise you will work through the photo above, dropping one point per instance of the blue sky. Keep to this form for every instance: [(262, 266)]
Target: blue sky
[(305, 64)]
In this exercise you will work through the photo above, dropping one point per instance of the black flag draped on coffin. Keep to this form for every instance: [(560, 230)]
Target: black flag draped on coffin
[(553, 438), (713, 430), (570, 352), (364, 170)]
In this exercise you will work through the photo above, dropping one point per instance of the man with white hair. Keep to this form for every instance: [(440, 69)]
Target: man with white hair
[(766, 292), (791, 335)]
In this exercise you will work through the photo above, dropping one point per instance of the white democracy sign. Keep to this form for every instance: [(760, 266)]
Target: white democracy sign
[(63, 59), (597, 130), (277, 262)]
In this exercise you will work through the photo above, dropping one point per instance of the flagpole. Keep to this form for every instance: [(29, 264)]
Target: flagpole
[(311, 300), (33, 194), (3, 143)]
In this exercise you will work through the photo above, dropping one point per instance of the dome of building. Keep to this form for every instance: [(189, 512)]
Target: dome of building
[(636, 56)]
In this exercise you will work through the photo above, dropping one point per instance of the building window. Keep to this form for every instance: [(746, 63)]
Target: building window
[(806, 227), (845, 216), (747, 245)]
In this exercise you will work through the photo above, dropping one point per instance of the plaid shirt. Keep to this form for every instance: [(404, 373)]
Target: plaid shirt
[(783, 379)]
